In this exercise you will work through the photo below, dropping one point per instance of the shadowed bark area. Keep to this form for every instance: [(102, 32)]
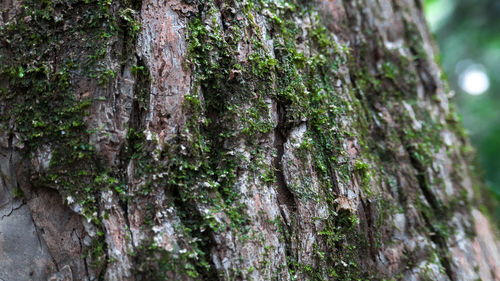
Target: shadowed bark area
[(232, 140)]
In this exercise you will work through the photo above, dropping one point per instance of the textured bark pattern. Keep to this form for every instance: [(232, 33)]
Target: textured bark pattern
[(236, 140)]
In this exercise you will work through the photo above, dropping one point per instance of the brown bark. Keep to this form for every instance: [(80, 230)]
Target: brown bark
[(232, 140)]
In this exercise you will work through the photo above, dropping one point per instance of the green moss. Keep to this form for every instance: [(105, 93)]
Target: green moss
[(229, 103), (18, 193), (41, 68), (363, 168), (390, 71)]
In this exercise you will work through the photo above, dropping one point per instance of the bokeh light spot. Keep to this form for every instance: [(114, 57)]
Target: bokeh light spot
[(474, 81)]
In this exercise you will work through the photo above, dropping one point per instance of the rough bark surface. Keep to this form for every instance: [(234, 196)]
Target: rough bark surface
[(232, 140)]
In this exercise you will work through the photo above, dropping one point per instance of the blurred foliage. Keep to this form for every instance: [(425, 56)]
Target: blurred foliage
[(468, 32)]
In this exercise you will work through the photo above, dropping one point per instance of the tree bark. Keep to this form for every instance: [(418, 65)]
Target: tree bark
[(232, 140)]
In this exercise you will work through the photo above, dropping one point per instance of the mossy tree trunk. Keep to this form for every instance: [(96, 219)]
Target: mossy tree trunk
[(232, 140)]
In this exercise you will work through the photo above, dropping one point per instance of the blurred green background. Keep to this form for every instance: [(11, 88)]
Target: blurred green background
[(468, 35)]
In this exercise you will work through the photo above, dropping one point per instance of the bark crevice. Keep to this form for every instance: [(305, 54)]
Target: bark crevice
[(285, 195), (436, 206), (286, 198)]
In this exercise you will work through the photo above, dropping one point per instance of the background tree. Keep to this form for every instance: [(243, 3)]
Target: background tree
[(467, 33), (232, 140)]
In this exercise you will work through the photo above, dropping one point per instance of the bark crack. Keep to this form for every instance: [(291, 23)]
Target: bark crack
[(436, 236), (12, 176), (368, 211), (81, 251), (38, 236), (11, 172), (12, 209), (285, 196)]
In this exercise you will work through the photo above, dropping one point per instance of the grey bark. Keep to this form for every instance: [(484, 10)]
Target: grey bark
[(357, 172)]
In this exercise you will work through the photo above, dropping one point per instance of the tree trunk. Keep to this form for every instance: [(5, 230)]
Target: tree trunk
[(232, 140)]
